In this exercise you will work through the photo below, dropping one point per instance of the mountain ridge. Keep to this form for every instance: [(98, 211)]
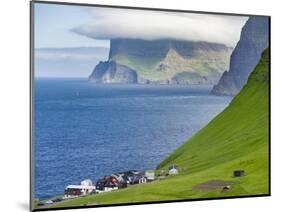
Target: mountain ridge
[(254, 39)]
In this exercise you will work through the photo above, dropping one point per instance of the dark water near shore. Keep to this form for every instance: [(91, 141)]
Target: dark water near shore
[(84, 130)]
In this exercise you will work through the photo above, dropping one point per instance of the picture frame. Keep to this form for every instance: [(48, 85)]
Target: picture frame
[(237, 172)]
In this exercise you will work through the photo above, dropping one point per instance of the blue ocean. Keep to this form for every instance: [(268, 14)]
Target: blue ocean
[(84, 130)]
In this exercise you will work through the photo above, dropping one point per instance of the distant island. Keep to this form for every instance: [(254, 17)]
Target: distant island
[(162, 62)]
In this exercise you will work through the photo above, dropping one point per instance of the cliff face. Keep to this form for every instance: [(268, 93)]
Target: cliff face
[(168, 61), (112, 72), (246, 55)]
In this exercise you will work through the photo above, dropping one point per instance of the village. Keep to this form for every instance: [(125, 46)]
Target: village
[(110, 183)]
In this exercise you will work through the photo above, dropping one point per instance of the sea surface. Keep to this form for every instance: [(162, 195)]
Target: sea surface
[(83, 130)]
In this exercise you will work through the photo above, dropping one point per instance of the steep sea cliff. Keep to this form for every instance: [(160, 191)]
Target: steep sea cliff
[(246, 55)]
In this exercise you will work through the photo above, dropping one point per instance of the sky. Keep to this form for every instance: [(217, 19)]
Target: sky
[(59, 26), (53, 24), (62, 27)]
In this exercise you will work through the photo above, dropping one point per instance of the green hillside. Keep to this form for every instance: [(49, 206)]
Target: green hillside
[(236, 139)]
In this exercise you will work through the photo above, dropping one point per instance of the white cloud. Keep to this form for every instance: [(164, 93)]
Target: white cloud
[(109, 23)]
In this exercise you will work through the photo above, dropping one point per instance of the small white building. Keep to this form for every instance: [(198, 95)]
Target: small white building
[(173, 170), (150, 175), (86, 187)]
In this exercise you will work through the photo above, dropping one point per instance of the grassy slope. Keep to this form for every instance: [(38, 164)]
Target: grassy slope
[(236, 139)]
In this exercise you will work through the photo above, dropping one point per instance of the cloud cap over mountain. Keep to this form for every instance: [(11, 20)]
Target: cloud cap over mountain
[(110, 23)]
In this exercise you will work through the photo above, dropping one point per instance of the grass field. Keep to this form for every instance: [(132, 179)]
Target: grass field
[(236, 139)]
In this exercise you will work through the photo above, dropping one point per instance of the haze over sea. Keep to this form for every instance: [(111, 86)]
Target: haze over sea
[(84, 130)]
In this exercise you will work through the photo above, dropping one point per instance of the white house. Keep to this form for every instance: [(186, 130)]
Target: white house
[(86, 187), (150, 175), (173, 170)]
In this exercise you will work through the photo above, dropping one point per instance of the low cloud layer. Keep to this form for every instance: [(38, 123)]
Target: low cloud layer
[(111, 23)]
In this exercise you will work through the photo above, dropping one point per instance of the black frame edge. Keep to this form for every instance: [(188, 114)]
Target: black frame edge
[(31, 108)]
